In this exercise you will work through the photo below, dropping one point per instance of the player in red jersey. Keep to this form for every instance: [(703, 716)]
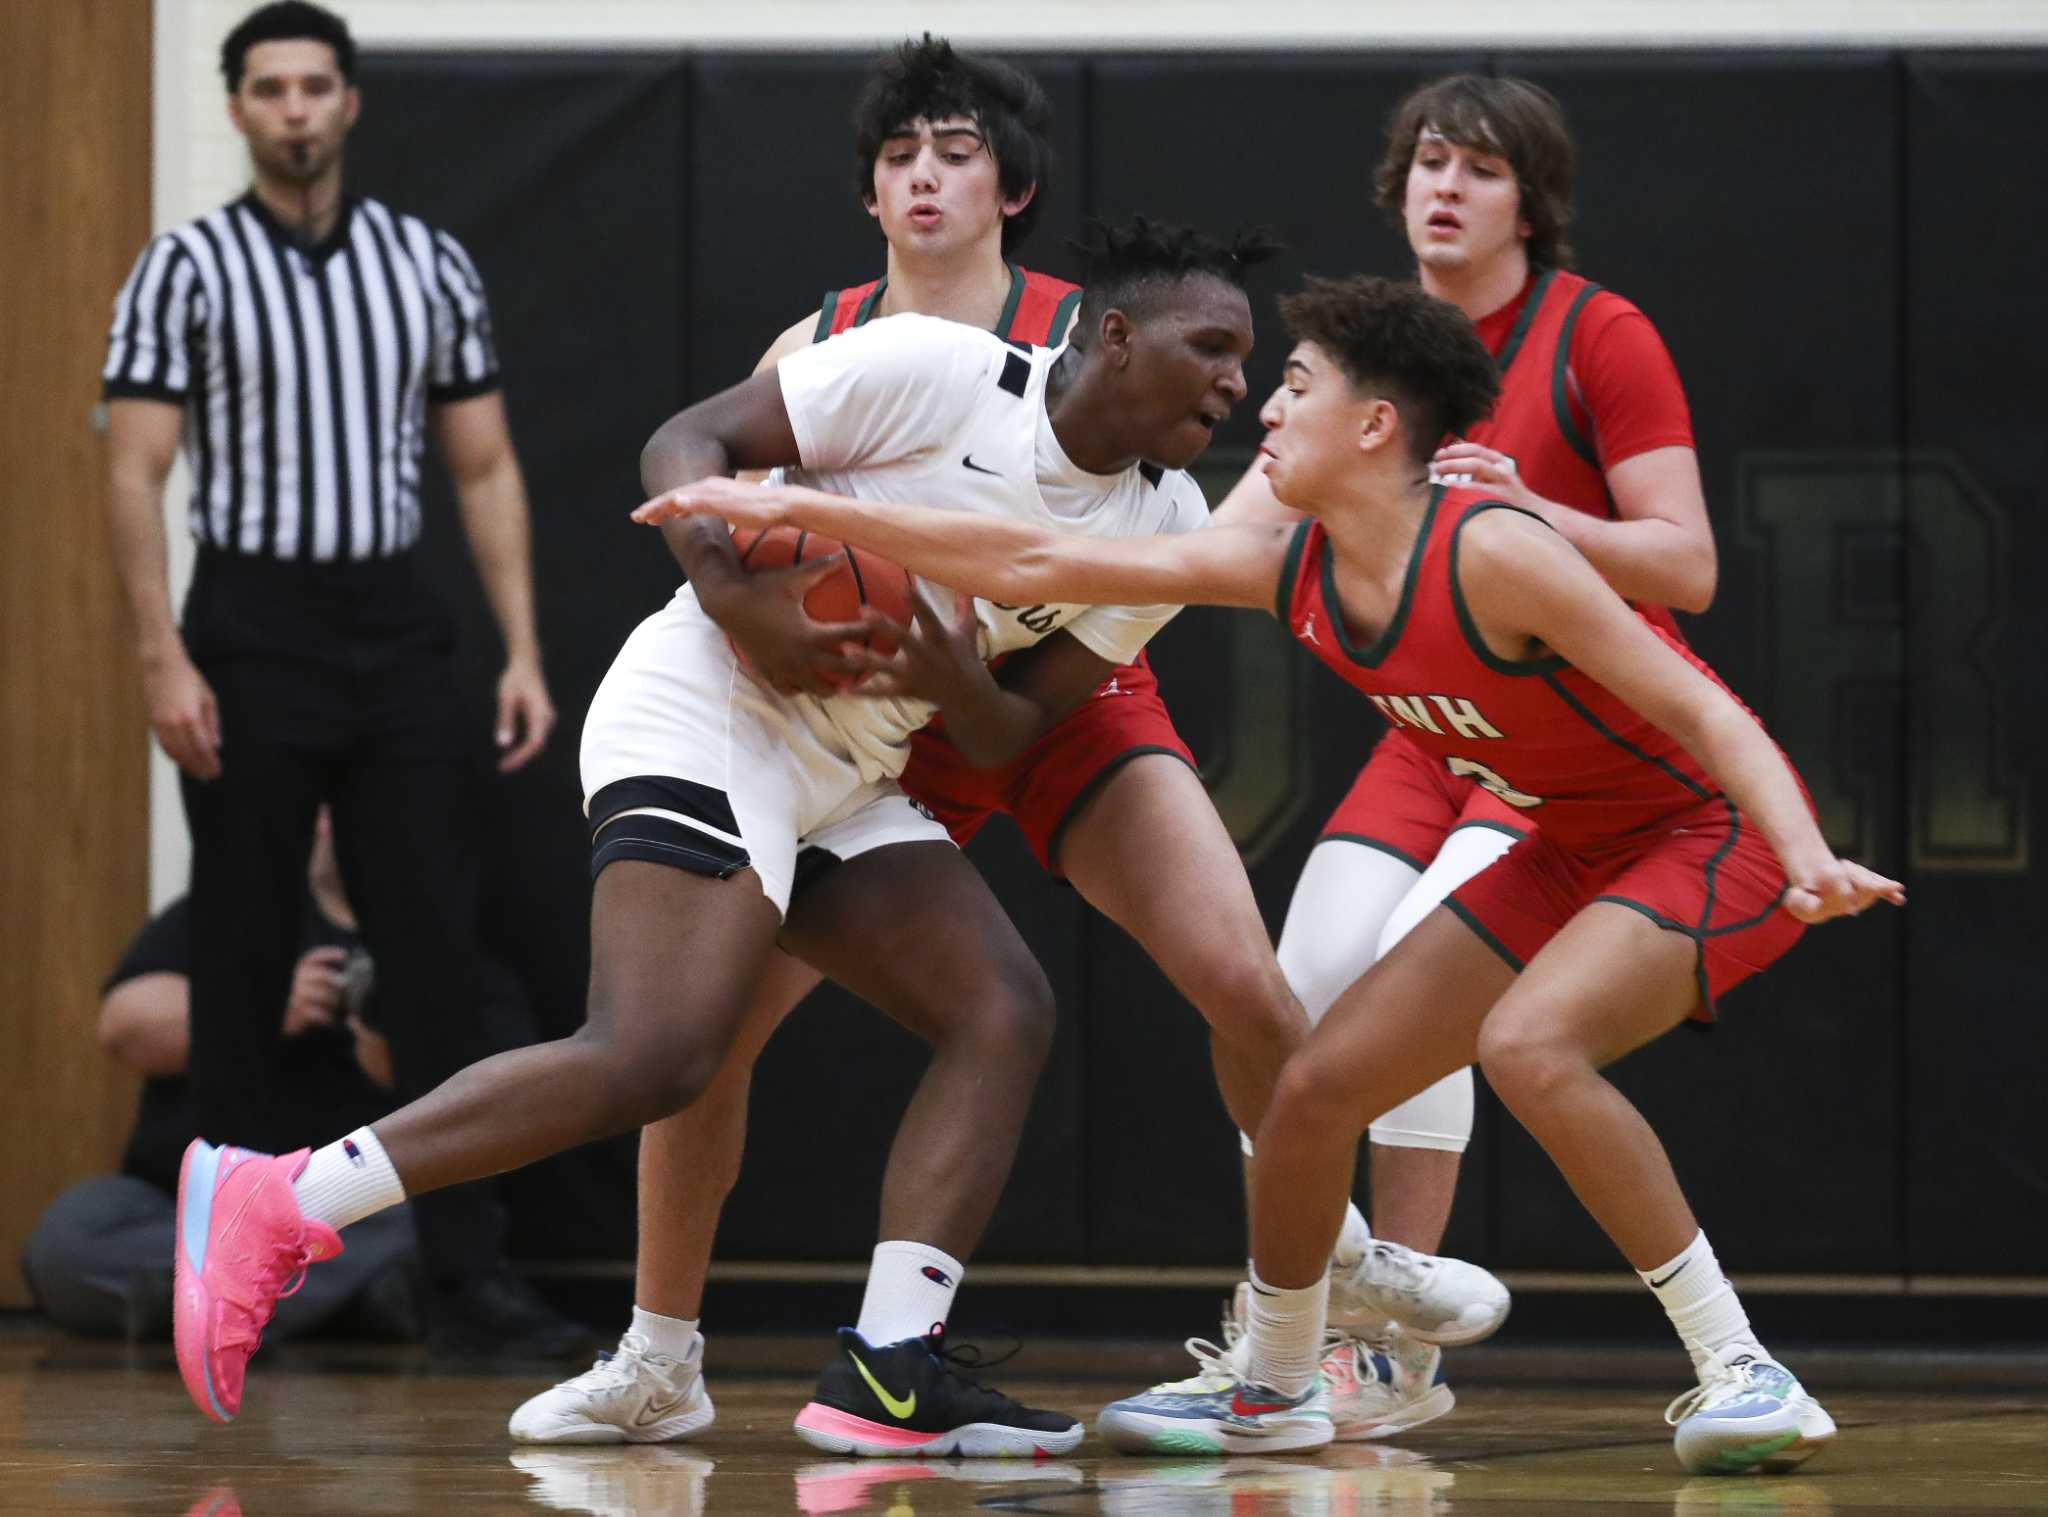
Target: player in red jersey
[(1677, 853), (1591, 432), (952, 156)]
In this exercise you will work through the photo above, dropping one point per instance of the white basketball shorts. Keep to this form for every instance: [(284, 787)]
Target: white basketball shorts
[(687, 761)]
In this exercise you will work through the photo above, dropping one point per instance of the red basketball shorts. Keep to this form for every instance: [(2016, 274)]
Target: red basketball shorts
[(1406, 803), (1045, 787), (1709, 875)]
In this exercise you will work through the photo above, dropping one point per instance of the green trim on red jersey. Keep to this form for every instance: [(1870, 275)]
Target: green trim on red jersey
[(1390, 635), (1514, 667)]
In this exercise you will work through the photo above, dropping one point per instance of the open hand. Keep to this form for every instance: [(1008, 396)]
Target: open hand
[(744, 505), (1839, 888), (184, 714), (525, 714), (1486, 469)]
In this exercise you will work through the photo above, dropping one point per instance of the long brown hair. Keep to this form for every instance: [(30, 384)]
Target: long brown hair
[(1520, 121)]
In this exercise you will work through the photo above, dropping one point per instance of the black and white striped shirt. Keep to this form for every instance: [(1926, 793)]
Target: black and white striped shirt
[(304, 372)]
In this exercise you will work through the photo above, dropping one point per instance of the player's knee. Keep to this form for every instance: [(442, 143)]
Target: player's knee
[(649, 1076), (1021, 1014), (1525, 1062), (1310, 1097), (1247, 1000)]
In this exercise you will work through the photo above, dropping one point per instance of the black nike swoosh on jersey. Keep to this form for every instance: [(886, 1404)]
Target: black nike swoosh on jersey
[(1660, 1284), (969, 462)]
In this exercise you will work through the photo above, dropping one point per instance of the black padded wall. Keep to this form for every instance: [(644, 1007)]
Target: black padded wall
[(1976, 1177)]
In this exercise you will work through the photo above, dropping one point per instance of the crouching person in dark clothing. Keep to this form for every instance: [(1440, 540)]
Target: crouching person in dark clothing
[(98, 1259)]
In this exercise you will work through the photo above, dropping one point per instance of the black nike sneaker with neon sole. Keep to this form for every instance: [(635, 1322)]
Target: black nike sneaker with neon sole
[(910, 1398)]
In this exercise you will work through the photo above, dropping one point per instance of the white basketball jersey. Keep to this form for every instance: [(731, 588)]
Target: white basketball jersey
[(924, 412)]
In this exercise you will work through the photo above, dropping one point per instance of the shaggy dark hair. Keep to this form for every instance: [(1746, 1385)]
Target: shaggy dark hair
[(286, 21), (1391, 338), (928, 81), (1520, 121), (1132, 263)]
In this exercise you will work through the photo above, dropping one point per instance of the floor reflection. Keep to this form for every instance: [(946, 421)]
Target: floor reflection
[(1350, 1479), (629, 1481)]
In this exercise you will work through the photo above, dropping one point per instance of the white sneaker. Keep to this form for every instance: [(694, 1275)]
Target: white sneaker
[(1384, 1386), (1747, 1413), (1443, 1301), (628, 1396)]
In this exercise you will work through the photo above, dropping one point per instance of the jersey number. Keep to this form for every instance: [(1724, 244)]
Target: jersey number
[(1472, 769)]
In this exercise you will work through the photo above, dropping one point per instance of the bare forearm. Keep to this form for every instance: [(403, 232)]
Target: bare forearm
[(1252, 499), (1739, 754), (991, 726), (680, 454), (494, 516), (1646, 559), (146, 1025), (141, 557), (1007, 561), (702, 548)]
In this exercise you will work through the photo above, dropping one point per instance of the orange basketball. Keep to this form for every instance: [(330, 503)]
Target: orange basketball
[(861, 579)]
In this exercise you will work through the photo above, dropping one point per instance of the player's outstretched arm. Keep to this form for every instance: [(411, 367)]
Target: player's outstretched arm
[(1522, 581), (1252, 499), (1010, 561)]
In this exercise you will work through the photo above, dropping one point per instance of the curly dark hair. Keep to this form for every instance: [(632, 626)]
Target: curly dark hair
[(1520, 121), (1131, 263), (1387, 335), (286, 21), (928, 80)]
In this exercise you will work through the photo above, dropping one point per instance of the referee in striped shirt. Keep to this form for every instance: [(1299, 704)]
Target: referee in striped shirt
[(302, 343)]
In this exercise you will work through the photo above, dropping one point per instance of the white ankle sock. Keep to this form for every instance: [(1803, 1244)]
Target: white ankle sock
[(1351, 1241), (1700, 1302), (1286, 1334), (670, 1337), (910, 1292), (347, 1181)]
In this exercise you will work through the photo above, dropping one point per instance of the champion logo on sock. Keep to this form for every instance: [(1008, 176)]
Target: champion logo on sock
[(355, 1155), (936, 1275)]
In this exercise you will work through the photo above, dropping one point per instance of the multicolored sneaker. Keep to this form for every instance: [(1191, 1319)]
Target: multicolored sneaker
[(1747, 1413), (910, 1398), (1439, 1300), (1383, 1386), (628, 1396), (241, 1244), (1216, 1411)]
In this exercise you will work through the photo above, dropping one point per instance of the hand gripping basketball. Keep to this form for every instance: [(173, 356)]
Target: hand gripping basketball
[(860, 591)]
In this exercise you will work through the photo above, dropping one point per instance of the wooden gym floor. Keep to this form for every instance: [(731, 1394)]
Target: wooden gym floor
[(98, 1428)]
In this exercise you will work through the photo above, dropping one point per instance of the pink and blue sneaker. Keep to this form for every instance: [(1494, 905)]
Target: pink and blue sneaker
[(242, 1243)]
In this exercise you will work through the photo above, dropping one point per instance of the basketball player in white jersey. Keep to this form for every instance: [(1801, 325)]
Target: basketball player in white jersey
[(728, 820)]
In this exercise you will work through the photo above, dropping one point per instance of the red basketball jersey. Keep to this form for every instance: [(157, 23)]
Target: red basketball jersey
[(1596, 777), (1543, 420), (1039, 306)]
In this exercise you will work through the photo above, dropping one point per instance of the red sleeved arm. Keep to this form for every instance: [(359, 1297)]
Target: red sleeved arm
[(1624, 384)]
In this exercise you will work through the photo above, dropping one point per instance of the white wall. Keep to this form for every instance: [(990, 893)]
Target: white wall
[(199, 158)]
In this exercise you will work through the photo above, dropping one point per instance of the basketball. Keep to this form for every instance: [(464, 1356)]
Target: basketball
[(862, 579)]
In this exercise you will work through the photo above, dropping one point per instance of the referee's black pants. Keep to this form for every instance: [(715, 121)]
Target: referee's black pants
[(335, 683)]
